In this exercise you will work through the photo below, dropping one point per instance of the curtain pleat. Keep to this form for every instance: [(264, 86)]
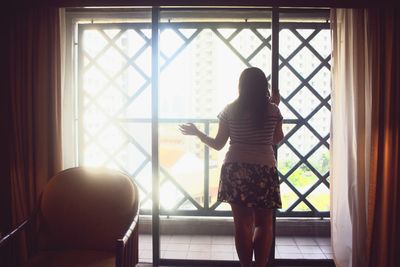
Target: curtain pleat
[(365, 184), (5, 137), (35, 103), (384, 202)]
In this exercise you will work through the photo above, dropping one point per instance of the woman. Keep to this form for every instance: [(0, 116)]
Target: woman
[(249, 178)]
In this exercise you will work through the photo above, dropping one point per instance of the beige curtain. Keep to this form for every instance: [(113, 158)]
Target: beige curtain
[(365, 181), (69, 124), (35, 95), (350, 136)]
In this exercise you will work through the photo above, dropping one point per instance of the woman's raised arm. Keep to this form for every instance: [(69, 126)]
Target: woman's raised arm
[(218, 142)]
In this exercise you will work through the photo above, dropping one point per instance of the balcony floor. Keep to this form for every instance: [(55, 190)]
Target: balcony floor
[(222, 247)]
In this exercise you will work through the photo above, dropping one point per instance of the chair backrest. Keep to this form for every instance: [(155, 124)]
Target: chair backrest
[(86, 208)]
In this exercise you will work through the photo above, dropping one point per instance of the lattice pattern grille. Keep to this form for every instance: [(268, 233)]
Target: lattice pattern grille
[(115, 107)]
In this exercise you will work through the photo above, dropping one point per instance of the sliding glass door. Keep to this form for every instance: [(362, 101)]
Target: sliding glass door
[(202, 53)]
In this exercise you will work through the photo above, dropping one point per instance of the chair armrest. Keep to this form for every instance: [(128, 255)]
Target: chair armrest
[(130, 230), (127, 253), (12, 235), (9, 244)]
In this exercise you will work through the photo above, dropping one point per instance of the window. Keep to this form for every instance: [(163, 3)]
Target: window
[(200, 61)]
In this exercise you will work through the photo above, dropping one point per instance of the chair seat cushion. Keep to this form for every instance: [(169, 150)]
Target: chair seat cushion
[(72, 258)]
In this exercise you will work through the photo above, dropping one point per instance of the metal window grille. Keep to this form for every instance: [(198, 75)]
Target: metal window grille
[(114, 73)]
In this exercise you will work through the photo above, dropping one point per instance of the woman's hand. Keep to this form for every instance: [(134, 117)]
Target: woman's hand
[(189, 129), (275, 98)]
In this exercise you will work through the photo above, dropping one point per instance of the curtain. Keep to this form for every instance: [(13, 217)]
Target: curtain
[(5, 122), (69, 93), (364, 137), (384, 199), (350, 135), (35, 105)]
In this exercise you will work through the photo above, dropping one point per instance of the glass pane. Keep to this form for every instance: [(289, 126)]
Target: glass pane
[(303, 160), (303, 140), (181, 161), (304, 101), (215, 162), (200, 67), (302, 178), (195, 84), (287, 159), (115, 104), (319, 198), (288, 197)]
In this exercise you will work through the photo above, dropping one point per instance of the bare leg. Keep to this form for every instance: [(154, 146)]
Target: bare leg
[(244, 222), (262, 236)]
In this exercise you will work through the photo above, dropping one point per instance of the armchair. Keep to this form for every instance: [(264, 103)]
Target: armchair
[(86, 217)]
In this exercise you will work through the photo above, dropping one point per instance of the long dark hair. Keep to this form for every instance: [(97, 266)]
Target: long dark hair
[(253, 95)]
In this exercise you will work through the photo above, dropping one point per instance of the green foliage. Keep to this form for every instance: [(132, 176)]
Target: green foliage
[(303, 178)]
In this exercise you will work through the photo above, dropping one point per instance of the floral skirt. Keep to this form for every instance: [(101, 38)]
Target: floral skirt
[(250, 185)]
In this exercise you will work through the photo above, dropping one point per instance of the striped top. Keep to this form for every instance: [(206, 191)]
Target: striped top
[(248, 143)]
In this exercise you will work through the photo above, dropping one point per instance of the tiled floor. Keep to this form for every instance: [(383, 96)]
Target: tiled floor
[(223, 247)]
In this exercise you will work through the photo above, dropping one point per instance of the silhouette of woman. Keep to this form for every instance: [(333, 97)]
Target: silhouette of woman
[(249, 178)]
